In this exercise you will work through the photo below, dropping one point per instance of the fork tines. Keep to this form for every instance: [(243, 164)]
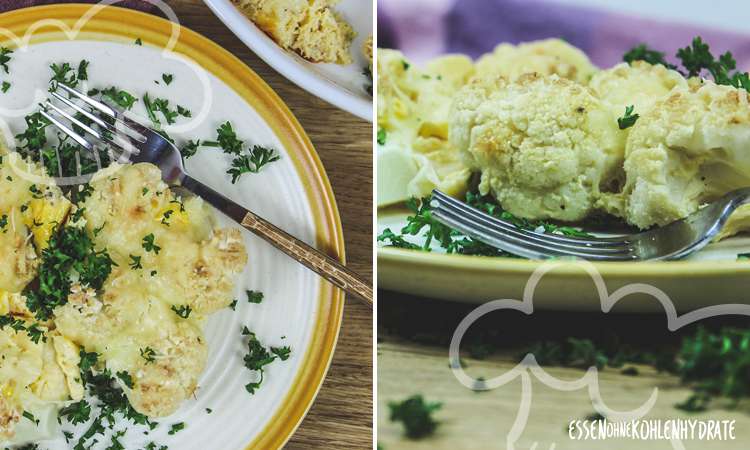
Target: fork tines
[(531, 244)]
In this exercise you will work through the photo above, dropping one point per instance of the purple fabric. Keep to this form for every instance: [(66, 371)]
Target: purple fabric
[(423, 29), (8, 5)]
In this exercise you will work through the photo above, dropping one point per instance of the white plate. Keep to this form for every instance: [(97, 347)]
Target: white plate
[(299, 310), (342, 86)]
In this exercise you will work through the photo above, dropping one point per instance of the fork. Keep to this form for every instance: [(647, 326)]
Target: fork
[(673, 241), (144, 145)]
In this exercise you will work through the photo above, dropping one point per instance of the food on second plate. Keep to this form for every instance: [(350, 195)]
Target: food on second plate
[(311, 28), (545, 57), (129, 274), (555, 138), (414, 154)]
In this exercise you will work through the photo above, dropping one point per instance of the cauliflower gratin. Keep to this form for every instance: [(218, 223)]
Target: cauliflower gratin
[(311, 28), (553, 137), (111, 289)]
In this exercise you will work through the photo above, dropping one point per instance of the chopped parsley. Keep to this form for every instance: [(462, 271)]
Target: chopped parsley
[(148, 354), (628, 120), (71, 250), (30, 417), (4, 223), (183, 311), (259, 156), (76, 413), (159, 105), (254, 296), (233, 305), (167, 77), (416, 416), (138, 41), (135, 262), (5, 53), (258, 357), (149, 245), (5, 86), (405, 64)]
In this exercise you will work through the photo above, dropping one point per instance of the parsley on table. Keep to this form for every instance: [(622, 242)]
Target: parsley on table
[(70, 250), (76, 413), (183, 311), (628, 120), (30, 417), (258, 357), (254, 296), (5, 53), (121, 98), (416, 416), (149, 245), (282, 352), (643, 53), (125, 377), (259, 156), (190, 148)]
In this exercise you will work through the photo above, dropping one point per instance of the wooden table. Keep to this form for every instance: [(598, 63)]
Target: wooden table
[(413, 338), (342, 414)]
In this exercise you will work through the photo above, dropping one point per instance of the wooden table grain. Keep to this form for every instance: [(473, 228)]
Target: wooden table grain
[(341, 417)]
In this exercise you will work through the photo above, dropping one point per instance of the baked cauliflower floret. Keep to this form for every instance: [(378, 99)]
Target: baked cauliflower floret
[(309, 27), (688, 149), (639, 84), (545, 146), (135, 330), (168, 242), (545, 57), (413, 107)]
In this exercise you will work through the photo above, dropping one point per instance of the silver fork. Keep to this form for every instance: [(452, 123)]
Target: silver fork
[(143, 145), (673, 241)]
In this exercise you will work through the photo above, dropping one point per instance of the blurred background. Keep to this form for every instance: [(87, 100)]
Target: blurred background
[(603, 29)]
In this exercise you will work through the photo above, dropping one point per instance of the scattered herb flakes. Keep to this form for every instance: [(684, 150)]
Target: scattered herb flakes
[(643, 53), (233, 305), (254, 296), (5, 86), (630, 371), (149, 245), (258, 357), (405, 64), (629, 119), (698, 402), (135, 262), (125, 377), (4, 223), (138, 41), (209, 410), (167, 77), (391, 239), (30, 417), (743, 257), (416, 416), (83, 70), (176, 428), (183, 311), (259, 156), (190, 148), (5, 53), (227, 139), (121, 98)]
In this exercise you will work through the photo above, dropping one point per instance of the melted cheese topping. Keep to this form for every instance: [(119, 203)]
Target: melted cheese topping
[(194, 268)]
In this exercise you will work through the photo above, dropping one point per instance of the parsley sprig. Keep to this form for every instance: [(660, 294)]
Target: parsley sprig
[(629, 119)]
